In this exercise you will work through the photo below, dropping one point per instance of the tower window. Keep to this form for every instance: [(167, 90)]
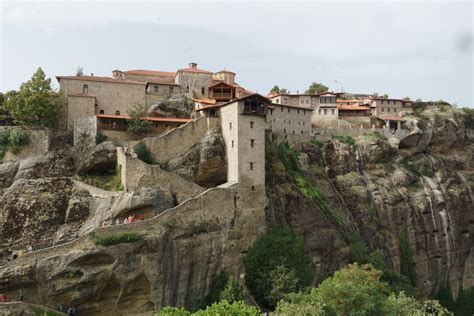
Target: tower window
[(85, 89), (281, 109), (117, 112), (252, 188), (230, 125), (251, 124), (203, 90), (101, 112), (251, 166), (289, 110), (252, 143), (187, 88), (232, 144)]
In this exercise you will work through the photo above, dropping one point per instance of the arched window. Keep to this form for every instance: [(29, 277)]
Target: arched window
[(101, 112), (85, 89), (117, 112)]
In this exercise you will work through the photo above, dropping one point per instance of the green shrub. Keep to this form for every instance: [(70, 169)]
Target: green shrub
[(174, 311), (279, 247), (17, 139), (349, 140), (223, 287), (116, 238), (100, 138), (317, 143), (143, 153), (229, 309), (105, 179), (5, 137)]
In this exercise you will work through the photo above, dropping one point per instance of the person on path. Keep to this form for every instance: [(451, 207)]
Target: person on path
[(142, 217), (20, 294), (125, 220), (117, 221), (3, 298)]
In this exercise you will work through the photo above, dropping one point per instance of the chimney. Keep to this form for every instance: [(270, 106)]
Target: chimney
[(193, 65)]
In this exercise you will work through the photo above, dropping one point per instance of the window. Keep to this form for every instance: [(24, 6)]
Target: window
[(303, 123), (171, 90), (232, 144), (383, 110), (299, 123), (284, 131), (156, 89), (230, 125), (388, 109), (307, 101), (101, 112), (284, 100), (281, 109), (251, 124), (252, 188), (289, 122), (298, 111), (203, 90), (319, 111), (302, 132), (252, 143), (117, 112), (278, 101), (325, 111), (85, 89), (333, 111), (251, 166), (284, 121), (273, 120), (293, 132), (187, 88), (271, 112), (304, 112), (289, 110)]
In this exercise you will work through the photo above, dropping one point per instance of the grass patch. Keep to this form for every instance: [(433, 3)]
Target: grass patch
[(41, 312), (348, 140), (116, 238), (372, 135), (317, 143), (110, 181)]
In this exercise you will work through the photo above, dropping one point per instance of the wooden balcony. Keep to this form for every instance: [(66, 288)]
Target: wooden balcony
[(221, 96)]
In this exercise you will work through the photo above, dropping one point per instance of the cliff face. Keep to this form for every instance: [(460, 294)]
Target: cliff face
[(376, 197), (385, 191)]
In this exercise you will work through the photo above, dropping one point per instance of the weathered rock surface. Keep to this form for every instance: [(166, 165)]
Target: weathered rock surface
[(205, 163), (99, 158), (173, 107)]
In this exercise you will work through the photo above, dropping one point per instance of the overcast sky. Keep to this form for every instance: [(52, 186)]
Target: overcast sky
[(416, 49)]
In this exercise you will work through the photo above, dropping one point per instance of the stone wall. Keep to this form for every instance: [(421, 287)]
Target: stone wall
[(192, 83), (288, 120), (78, 107), (136, 174), (324, 134), (39, 143), (178, 140)]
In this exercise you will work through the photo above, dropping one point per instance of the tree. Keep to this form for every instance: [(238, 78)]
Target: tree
[(36, 103), (278, 90), (385, 96), (79, 71), (143, 153), (307, 308), (316, 87), (225, 308), (138, 124), (223, 287), (278, 247), (283, 281), (353, 290)]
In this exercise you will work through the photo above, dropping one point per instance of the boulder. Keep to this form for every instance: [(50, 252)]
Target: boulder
[(8, 171), (101, 157)]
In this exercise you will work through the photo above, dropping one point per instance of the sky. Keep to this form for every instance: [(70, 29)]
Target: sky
[(420, 49)]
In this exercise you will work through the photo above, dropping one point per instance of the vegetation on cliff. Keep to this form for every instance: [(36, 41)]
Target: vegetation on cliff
[(116, 238), (13, 141), (275, 265)]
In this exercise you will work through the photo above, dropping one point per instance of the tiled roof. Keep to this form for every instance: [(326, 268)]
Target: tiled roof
[(195, 70), (142, 72), (225, 71), (352, 107), (152, 119), (100, 79), (391, 118), (205, 100), (222, 82)]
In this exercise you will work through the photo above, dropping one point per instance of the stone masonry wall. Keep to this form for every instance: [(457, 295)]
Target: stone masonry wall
[(178, 140)]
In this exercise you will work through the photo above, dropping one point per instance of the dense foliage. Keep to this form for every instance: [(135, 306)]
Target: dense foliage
[(36, 103), (100, 138), (275, 265), (138, 124), (224, 287), (223, 308), (143, 152), (278, 89), (13, 141), (316, 87), (116, 238)]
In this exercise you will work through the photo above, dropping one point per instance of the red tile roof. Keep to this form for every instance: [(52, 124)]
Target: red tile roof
[(345, 107), (391, 118), (205, 100), (153, 119), (195, 70), (100, 79), (226, 71), (222, 82), (153, 73)]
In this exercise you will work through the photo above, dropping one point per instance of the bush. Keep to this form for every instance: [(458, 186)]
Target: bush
[(143, 153), (345, 140), (174, 311), (232, 309), (100, 138), (138, 124), (278, 248), (117, 238), (18, 139)]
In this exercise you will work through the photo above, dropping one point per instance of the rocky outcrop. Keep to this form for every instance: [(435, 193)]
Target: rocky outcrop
[(422, 190), (101, 157), (205, 163), (173, 107)]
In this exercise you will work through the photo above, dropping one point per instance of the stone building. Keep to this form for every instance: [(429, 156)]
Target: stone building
[(243, 125), (385, 106), (289, 120)]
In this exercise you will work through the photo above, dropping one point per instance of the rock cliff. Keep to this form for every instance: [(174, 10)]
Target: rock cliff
[(405, 202)]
